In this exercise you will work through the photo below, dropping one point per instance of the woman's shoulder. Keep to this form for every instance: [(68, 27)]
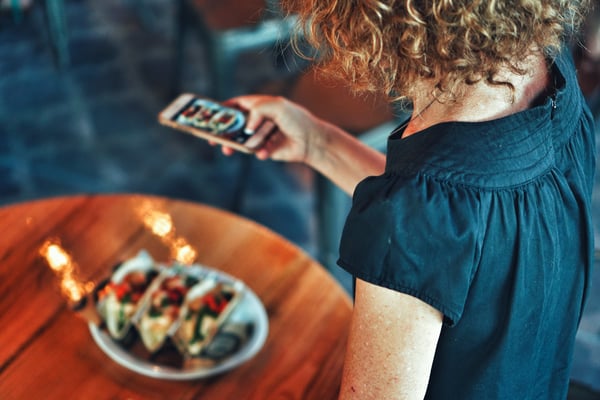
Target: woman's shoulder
[(503, 153)]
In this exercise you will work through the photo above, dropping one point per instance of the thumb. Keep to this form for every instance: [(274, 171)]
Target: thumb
[(257, 109), (254, 120)]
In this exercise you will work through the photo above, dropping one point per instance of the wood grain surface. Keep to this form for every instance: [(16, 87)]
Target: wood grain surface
[(47, 351)]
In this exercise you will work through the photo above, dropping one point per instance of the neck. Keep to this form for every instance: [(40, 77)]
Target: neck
[(481, 101)]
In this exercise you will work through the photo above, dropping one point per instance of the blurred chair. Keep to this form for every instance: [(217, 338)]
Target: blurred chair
[(56, 26), (57, 31), (227, 29), (16, 7)]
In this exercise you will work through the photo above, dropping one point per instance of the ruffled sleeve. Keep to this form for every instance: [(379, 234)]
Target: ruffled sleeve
[(417, 235)]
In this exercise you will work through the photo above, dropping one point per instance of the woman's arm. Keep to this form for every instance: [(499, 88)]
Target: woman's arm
[(343, 158), (393, 337), (302, 137)]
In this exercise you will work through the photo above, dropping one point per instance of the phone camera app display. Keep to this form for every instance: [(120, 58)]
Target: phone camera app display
[(215, 119)]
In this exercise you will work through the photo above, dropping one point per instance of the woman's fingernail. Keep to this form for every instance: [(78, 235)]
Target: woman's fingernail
[(248, 131)]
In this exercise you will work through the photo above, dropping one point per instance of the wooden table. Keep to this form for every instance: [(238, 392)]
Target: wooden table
[(47, 351)]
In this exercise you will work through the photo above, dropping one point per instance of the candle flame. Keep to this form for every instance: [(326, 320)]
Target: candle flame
[(183, 251), (161, 224), (57, 258), (65, 270), (72, 288)]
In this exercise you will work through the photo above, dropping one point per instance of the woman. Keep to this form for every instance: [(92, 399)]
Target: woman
[(471, 242)]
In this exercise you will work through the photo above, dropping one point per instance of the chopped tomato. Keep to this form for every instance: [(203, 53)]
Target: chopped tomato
[(121, 289), (216, 302), (175, 296), (135, 297)]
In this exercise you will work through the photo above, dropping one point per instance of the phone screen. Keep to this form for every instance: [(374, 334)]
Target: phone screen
[(214, 118)]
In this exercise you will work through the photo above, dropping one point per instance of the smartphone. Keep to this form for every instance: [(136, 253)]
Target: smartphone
[(211, 120)]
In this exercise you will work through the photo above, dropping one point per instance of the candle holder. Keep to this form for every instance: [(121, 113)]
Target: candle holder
[(85, 309)]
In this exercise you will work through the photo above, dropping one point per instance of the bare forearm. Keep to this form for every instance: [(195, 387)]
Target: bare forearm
[(342, 158), (302, 137)]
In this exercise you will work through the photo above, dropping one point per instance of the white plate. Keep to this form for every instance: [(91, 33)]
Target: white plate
[(250, 310)]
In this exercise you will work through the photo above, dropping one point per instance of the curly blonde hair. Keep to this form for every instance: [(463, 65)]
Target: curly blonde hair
[(385, 45)]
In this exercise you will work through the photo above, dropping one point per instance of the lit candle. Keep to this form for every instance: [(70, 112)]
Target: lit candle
[(161, 225), (76, 293), (85, 309)]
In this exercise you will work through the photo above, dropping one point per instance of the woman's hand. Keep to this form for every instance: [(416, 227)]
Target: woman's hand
[(302, 137), (297, 133)]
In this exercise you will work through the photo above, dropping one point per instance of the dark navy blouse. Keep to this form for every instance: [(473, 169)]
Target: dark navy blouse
[(490, 223)]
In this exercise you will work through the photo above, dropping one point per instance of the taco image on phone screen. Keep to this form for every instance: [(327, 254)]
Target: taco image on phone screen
[(162, 308), (212, 117), (207, 307), (121, 297)]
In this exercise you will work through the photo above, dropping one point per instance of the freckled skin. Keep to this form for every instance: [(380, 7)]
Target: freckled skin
[(385, 320)]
